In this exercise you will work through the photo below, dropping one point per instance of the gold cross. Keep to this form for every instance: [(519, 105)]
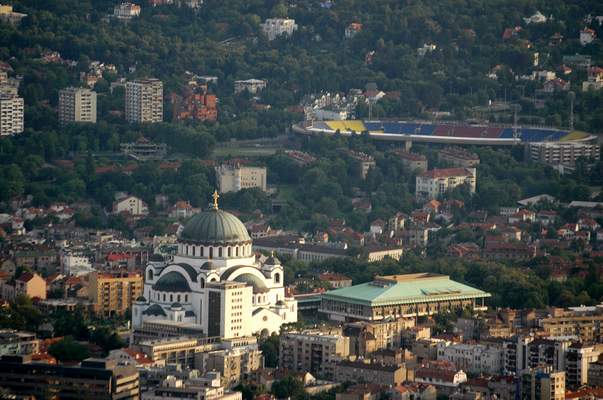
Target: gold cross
[(216, 196)]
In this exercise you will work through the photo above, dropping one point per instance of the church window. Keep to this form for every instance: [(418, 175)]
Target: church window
[(178, 298), (220, 252), (171, 298), (211, 252), (202, 283), (186, 298), (202, 251), (277, 278), (237, 251), (150, 275), (164, 297), (229, 252)]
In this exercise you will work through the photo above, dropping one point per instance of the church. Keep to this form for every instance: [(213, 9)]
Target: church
[(215, 283)]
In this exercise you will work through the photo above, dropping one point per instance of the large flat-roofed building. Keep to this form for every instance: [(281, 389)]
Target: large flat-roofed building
[(233, 177), (77, 105), (434, 183), (144, 101), (395, 296), (562, 152), (113, 294), (359, 371), (584, 322), (252, 86), (11, 114), (94, 379)]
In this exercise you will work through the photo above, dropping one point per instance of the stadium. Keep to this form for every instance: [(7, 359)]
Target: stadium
[(443, 132)]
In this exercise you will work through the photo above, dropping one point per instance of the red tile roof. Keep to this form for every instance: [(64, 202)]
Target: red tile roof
[(445, 173)]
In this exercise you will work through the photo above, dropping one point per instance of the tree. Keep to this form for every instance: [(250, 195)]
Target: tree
[(68, 350)]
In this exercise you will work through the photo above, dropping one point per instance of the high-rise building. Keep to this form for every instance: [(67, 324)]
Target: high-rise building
[(113, 294), (77, 105), (313, 351), (11, 114), (94, 379), (144, 101)]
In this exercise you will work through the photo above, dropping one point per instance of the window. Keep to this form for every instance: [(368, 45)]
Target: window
[(229, 252), (202, 251), (211, 252), (202, 283), (220, 252), (150, 275), (178, 298), (171, 298), (277, 278), (186, 298), (237, 251)]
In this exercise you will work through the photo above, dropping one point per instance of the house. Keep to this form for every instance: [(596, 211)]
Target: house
[(536, 18), (27, 284), (522, 216), (335, 280), (588, 224), (182, 210), (467, 250), (377, 227), (587, 36), (436, 182), (568, 231), (352, 29), (432, 206), (546, 217), (444, 377), (556, 85), (129, 204)]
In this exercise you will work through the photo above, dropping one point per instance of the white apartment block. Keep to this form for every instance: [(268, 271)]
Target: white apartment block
[(234, 177), (252, 86), (275, 27), (144, 101), (475, 358), (562, 152), (434, 183), (77, 105), (11, 115), (228, 309)]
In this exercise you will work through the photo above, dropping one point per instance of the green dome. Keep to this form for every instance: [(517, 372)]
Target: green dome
[(258, 285), (172, 282), (215, 227)]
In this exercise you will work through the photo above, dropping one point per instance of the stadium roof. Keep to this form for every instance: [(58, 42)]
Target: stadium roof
[(405, 289)]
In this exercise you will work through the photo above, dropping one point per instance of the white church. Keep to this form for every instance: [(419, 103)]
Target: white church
[(215, 282)]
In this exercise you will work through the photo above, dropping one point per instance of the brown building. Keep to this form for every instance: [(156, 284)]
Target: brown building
[(358, 371), (94, 379), (114, 293), (367, 337), (412, 161), (458, 157)]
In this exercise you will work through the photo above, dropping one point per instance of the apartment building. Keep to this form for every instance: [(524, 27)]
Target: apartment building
[(77, 105), (585, 322), (232, 177), (113, 294), (358, 371), (275, 27), (229, 309), (11, 114), (18, 342), (412, 161), (458, 157), (207, 387), (143, 149), (144, 101), (313, 351), (27, 284), (98, 379), (562, 152), (233, 364), (474, 358), (578, 358), (131, 205), (364, 161), (434, 183), (542, 384), (176, 350)]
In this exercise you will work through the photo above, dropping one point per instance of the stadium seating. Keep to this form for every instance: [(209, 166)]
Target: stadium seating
[(451, 130)]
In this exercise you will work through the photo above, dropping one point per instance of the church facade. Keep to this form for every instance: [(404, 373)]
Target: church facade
[(215, 282)]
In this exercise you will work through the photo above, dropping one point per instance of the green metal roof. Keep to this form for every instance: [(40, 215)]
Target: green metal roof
[(215, 226), (172, 282), (381, 293)]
